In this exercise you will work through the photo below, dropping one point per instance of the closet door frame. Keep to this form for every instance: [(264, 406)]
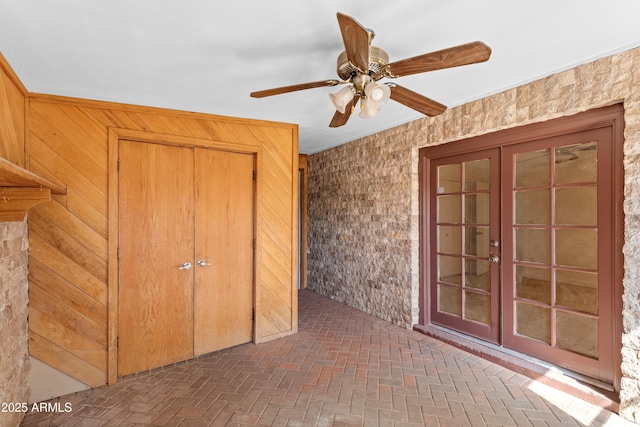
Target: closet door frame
[(115, 135)]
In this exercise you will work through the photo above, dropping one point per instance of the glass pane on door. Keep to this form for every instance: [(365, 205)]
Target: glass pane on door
[(533, 321), (585, 342), (577, 290), (533, 283)]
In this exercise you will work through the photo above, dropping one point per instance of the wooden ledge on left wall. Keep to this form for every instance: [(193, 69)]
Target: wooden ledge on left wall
[(20, 190)]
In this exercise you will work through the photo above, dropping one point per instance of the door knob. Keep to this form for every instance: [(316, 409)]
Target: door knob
[(494, 258), (203, 263), (185, 266), (495, 243)]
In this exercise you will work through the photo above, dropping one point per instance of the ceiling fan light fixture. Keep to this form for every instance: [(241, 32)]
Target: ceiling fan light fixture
[(361, 65), (368, 108), (375, 96), (342, 98), (377, 92)]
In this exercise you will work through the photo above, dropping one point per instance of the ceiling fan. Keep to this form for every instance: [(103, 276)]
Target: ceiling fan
[(362, 65)]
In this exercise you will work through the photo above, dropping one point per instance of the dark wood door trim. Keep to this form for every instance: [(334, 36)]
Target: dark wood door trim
[(612, 116)]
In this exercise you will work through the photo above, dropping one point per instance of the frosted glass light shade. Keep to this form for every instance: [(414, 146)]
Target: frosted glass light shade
[(375, 96), (342, 98), (368, 108), (377, 93)]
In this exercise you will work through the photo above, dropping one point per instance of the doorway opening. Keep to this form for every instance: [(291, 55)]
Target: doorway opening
[(521, 240)]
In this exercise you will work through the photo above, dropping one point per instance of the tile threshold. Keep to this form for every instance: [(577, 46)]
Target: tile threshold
[(583, 388)]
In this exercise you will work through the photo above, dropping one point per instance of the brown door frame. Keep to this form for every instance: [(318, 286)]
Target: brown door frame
[(115, 135), (607, 117)]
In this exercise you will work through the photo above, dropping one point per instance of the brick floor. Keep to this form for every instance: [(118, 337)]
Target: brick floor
[(343, 368)]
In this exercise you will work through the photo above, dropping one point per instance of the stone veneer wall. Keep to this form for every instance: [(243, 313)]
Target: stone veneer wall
[(363, 225), (363, 197), (14, 311)]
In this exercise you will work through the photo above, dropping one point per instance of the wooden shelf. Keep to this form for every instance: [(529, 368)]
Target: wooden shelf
[(20, 190)]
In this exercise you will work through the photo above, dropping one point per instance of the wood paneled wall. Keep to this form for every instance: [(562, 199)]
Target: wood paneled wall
[(13, 97), (69, 237)]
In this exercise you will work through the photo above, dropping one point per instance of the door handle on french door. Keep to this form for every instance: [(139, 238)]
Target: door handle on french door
[(185, 266), (203, 263), (494, 258)]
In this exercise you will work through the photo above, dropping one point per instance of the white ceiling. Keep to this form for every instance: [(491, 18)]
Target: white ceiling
[(208, 55)]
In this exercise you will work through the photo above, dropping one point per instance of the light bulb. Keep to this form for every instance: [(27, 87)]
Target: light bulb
[(376, 94)]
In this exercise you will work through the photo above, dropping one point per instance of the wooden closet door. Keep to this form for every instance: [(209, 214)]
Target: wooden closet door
[(224, 250), (156, 236)]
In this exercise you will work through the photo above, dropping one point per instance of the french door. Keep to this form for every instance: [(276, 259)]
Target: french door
[(465, 212), (522, 247), (557, 226)]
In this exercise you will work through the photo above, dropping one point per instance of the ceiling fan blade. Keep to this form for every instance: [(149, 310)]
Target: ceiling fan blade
[(456, 56), (356, 40), (293, 88), (416, 101), (340, 119)]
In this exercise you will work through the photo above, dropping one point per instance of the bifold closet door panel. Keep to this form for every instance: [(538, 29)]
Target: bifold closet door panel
[(156, 238), (224, 269)]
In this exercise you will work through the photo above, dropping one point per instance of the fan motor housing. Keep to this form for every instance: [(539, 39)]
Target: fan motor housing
[(378, 58)]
